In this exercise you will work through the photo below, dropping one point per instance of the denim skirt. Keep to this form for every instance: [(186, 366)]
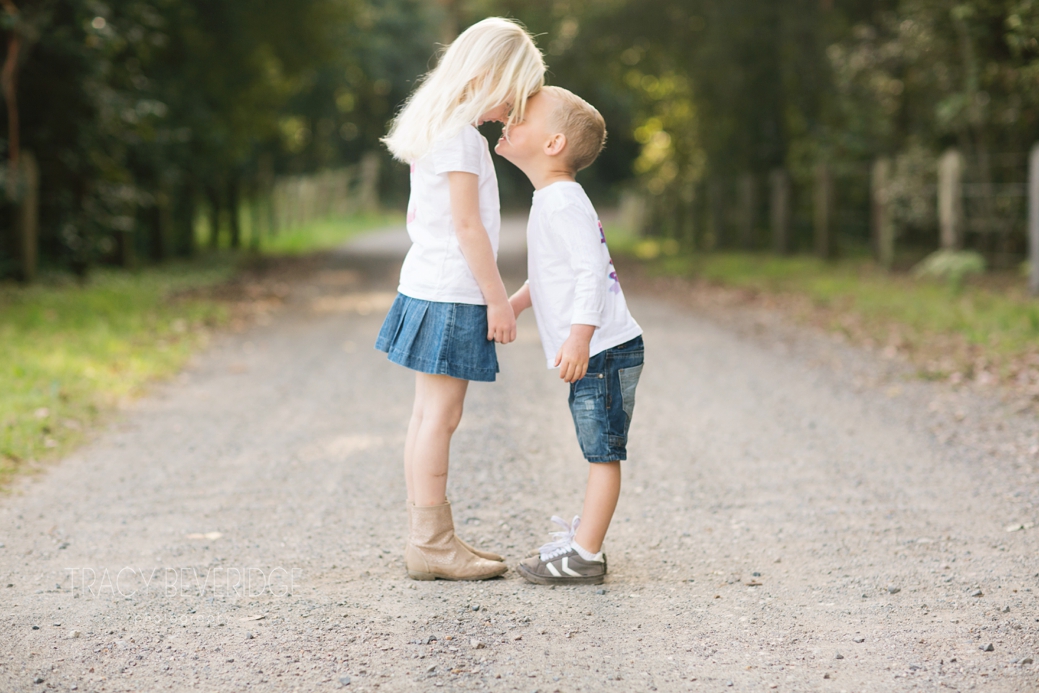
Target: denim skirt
[(439, 338)]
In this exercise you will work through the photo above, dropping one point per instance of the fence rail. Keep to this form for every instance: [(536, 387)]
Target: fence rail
[(950, 202), (298, 200)]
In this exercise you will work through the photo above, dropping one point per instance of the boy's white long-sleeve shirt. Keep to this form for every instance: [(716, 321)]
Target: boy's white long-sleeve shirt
[(572, 279)]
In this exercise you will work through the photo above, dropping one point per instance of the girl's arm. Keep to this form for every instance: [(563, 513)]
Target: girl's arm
[(476, 247)]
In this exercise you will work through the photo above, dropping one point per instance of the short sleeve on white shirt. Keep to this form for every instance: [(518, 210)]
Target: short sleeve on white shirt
[(435, 268), (463, 152)]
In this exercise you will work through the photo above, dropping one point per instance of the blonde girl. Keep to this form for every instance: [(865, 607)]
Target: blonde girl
[(451, 305)]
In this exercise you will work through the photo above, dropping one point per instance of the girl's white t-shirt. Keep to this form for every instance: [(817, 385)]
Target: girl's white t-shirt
[(435, 269), (571, 276)]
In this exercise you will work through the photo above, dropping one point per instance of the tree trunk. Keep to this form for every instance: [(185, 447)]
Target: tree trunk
[(9, 82), (716, 212), (28, 182), (233, 189), (747, 212), (215, 205), (1033, 220), (161, 223), (689, 231), (184, 221)]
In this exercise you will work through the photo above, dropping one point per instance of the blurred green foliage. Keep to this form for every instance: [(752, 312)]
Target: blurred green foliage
[(708, 90), (143, 112)]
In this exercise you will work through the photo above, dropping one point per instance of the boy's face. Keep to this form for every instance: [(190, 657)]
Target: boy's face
[(524, 141)]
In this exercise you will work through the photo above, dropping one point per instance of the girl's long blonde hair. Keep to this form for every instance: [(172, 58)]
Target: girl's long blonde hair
[(491, 63)]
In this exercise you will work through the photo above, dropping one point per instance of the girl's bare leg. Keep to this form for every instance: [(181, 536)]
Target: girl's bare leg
[(437, 412), (409, 442)]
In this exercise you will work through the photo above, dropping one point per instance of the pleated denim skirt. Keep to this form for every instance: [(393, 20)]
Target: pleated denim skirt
[(439, 338)]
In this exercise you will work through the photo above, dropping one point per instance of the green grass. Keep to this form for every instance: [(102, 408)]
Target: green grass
[(991, 315), (70, 353), (323, 235)]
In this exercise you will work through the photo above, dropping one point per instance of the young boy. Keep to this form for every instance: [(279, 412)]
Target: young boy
[(583, 320)]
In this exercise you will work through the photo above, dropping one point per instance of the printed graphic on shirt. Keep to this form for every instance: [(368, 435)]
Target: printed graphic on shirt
[(615, 287)]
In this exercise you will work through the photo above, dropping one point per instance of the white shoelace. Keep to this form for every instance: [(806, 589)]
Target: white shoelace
[(563, 539)]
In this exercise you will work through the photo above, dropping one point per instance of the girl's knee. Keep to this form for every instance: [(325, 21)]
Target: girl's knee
[(444, 420)]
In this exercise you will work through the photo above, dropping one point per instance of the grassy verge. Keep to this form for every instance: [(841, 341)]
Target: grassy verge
[(323, 235), (71, 352), (987, 330)]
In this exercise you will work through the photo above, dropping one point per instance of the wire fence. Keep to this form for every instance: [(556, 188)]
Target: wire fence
[(898, 209)]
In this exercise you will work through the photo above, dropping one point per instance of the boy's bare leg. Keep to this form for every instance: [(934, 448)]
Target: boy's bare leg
[(600, 500), (438, 410)]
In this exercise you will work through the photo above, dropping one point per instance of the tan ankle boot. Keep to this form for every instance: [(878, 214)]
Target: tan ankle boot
[(434, 551), (489, 555)]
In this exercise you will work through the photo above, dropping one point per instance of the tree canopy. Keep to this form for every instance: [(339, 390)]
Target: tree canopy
[(140, 110)]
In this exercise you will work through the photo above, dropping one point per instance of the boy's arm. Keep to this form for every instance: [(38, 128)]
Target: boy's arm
[(476, 247), (520, 300), (572, 358), (583, 243)]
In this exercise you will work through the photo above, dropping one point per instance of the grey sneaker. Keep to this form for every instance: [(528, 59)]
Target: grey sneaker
[(564, 567), (558, 563)]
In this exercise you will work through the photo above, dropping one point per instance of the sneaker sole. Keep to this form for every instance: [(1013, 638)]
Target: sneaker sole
[(541, 580)]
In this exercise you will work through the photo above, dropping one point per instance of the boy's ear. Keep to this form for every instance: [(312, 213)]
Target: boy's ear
[(555, 144)]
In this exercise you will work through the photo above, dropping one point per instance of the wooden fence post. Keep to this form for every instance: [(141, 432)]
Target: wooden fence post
[(950, 199), (823, 211), (369, 188), (265, 194), (1033, 220), (747, 208), (28, 183), (779, 210), (880, 220)]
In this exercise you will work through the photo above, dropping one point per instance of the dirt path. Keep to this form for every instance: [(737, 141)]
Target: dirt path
[(796, 516)]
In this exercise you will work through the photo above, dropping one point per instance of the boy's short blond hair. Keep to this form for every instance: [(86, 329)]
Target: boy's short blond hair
[(584, 128)]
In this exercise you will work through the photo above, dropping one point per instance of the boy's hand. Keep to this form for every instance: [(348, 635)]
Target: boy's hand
[(517, 308), (572, 358), (520, 300), (501, 322)]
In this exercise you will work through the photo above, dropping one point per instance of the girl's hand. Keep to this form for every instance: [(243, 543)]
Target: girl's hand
[(501, 322)]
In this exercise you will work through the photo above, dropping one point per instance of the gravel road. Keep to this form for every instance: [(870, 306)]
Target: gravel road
[(796, 515)]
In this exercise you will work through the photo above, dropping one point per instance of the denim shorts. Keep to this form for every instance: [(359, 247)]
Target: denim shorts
[(603, 400), (439, 338)]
